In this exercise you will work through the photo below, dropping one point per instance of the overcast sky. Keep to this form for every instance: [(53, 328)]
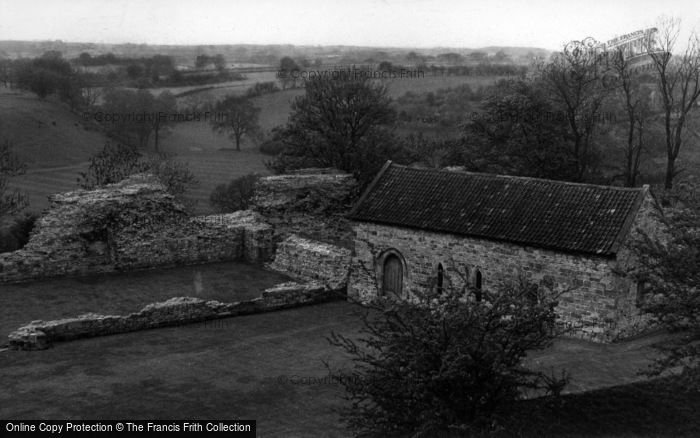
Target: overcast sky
[(404, 23)]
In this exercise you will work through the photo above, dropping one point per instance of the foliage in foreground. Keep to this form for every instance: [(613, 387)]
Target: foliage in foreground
[(446, 362), (671, 271)]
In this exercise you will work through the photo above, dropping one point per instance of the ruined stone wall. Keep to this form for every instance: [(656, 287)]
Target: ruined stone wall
[(601, 306), (310, 203), (175, 311), (134, 224), (235, 236), (310, 260)]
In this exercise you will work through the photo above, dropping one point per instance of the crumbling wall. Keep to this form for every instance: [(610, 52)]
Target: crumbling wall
[(134, 224), (310, 260), (175, 311), (310, 203)]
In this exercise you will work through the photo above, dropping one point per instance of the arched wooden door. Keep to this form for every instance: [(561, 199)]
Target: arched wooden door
[(392, 280)]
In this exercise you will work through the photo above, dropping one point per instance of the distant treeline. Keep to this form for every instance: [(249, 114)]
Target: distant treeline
[(482, 68), (159, 70), (51, 75), (158, 61), (51, 72)]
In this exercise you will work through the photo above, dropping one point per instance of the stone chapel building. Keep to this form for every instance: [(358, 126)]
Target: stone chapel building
[(413, 227)]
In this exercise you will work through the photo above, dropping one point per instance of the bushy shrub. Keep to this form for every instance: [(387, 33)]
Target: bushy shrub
[(12, 201), (15, 234), (669, 273), (445, 361), (234, 196), (175, 175), (272, 147), (115, 162), (112, 164), (261, 88)]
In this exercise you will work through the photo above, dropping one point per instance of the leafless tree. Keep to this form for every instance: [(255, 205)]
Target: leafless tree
[(91, 95), (678, 84), (574, 80), (635, 100)]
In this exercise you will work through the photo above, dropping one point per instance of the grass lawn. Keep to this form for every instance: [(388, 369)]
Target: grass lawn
[(248, 367), (125, 293), (261, 367), (44, 132), (270, 367)]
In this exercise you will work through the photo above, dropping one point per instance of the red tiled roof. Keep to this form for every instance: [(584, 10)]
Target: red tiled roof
[(528, 211)]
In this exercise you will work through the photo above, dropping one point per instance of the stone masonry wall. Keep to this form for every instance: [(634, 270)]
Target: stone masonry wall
[(600, 307), (310, 203), (175, 311), (309, 260), (134, 224)]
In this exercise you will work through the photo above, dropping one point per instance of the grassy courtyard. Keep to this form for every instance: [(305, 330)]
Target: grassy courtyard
[(263, 367), (125, 293), (270, 367), (245, 367)]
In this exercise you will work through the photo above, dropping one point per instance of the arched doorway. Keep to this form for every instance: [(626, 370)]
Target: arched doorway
[(392, 276)]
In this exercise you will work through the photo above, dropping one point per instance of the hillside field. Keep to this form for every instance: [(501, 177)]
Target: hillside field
[(57, 143), (57, 146)]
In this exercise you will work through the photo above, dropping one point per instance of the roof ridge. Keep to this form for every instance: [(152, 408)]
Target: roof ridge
[(515, 177), (572, 217)]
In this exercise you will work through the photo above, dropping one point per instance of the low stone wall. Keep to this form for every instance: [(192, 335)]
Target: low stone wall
[(176, 311), (310, 260), (242, 235), (134, 224)]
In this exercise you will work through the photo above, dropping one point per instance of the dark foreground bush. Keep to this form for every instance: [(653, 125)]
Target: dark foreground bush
[(445, 362), (15, 234), (235, 195), (272, 147)]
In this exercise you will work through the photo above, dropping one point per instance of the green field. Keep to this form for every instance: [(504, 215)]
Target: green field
[(57, 143), (44, 132), (57, 147), (222, 88), (210, 167)]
